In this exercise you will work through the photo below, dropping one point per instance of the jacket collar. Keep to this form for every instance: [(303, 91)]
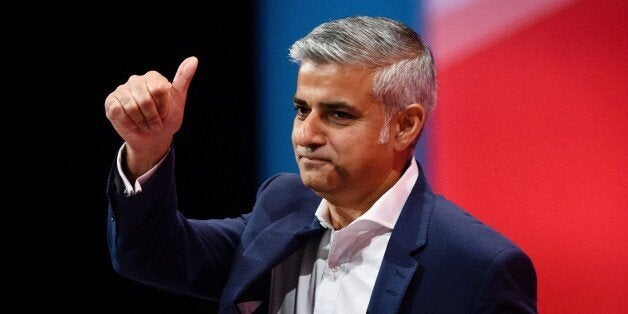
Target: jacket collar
[(400, 264), (272, 245)]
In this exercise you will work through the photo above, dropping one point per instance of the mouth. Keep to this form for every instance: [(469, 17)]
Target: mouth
[(310, 159)]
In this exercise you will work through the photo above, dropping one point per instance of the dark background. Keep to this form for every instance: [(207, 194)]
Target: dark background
[(215, 149)]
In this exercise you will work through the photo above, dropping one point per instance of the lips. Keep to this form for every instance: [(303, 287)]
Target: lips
[(313, 161), (313, 158), (311, 155)]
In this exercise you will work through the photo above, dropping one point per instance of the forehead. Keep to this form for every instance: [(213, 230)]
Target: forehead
[(333, 82)]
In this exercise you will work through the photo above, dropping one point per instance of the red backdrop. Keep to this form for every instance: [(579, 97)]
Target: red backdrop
[(531, 136)]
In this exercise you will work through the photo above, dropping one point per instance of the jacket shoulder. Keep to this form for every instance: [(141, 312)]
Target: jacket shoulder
[(464, 232), (463, 258), (285, 190), (281, 195)]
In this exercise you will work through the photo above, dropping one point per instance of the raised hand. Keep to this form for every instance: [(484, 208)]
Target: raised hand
[(147, 111)]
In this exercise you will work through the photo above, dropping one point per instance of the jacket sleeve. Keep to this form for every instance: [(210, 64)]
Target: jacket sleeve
[(150, 241), (509, 285)]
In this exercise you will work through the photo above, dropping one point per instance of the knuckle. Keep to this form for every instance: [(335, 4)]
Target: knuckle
[(113, 112), (157, 88), (153, 119), (145, 105), (122, 91), (125, 100), (110, 101), (139, 91), (152, 74)]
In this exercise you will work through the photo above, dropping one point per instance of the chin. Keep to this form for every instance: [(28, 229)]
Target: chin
[(315, 181)]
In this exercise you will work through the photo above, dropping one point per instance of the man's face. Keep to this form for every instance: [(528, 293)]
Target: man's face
[(336, 133)]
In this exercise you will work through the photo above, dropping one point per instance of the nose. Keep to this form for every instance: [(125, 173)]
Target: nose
[(309, 132)]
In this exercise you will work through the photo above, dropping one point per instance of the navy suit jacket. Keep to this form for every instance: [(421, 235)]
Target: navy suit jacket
[(439, 259)]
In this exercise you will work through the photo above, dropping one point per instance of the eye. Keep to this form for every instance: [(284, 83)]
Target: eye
[(301, 111), (341, 115)]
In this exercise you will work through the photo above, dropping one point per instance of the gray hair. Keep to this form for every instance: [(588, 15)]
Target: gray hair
[(403, 65)]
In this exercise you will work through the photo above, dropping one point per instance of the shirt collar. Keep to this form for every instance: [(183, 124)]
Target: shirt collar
[(386, 210)]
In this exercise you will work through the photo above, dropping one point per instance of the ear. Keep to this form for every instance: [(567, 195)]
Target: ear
[(409, 124)]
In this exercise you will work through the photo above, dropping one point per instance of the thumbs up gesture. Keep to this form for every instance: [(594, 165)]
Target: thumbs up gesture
[(146, 112)]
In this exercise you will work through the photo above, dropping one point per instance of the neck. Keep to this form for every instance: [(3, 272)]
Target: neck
[(341, 217), (341, 214)]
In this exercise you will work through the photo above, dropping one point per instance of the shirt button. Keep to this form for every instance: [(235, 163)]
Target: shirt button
[(334, 269)]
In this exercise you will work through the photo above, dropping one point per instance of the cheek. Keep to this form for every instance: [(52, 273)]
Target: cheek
[(357, 143), (365, 154), (349, 151)]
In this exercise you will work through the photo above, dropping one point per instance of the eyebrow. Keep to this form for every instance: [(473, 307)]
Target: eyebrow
[(328, 105)]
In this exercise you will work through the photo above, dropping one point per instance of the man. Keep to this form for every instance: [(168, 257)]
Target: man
[(358, 231)]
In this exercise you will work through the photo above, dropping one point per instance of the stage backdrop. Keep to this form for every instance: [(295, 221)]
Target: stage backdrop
[(530, 133)]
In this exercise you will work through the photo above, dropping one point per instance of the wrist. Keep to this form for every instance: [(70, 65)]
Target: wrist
[(139, 161)]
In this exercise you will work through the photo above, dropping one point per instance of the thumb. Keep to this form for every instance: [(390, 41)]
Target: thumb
[(182, 79)]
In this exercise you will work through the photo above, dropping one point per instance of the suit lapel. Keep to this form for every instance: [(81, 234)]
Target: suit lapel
[(408, 237), (271, 246)]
